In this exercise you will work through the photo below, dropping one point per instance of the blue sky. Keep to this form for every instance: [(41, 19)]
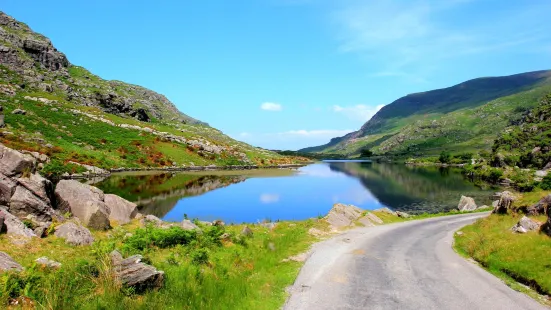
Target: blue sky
[(288, 74)]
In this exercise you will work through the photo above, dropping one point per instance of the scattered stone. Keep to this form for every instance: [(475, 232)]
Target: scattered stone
[(505, 203), (269, 225), (155, 221), (189, 225), (120, 209), (402, 214), (466, 204), (526, 224), (40, 231), (271, 247), (540, 207), (548, 166), (541, 173), (247, 232), (85, 202), (8, 264), (225, 237), (135, 274), (15, 226), (459, 233), (74, 234), (218, 223), (48, 263), (297, 258), (19, 112)]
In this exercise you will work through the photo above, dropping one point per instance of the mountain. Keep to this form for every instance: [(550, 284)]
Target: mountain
[(56, 108), (466, 116)]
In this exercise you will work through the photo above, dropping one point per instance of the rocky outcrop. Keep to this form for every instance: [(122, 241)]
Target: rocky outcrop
[(189, 225), (83, 201), (74, 234), (14, 163), (505, 203), (7, 188), (341, 216), (525, 224), (24, 203), (14, 226), (466, 204), (540, 207), (120, 209), (133, 273), (8, 264)]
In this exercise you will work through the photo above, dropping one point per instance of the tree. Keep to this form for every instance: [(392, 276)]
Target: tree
[(366, 153), (445, 157)]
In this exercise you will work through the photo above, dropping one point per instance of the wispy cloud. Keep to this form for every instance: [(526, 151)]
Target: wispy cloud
[(271, 106), (360, 112), (269, 198), (410, 39)]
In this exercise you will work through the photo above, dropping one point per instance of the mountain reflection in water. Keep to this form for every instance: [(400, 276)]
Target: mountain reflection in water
[(250, 197)]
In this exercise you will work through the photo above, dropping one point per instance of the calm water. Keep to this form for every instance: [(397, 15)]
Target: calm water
[(237, 197)]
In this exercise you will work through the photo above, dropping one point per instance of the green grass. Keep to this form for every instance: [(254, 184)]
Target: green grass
[(523, 257)]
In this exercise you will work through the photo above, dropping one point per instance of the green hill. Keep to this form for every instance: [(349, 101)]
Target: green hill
[(467, 116), (56, 108)]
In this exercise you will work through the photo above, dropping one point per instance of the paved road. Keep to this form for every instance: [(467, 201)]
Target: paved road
[(400, 266)]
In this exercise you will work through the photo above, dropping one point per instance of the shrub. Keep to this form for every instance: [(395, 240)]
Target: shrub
[(163, 238), (546, 182), (523, 180), (200, 256), (445, 157)]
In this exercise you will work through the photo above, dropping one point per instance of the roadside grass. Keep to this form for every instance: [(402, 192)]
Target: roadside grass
[(201, 272), (522, 257)]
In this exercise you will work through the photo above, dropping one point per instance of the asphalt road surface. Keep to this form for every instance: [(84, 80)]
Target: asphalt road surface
[(400, 266)]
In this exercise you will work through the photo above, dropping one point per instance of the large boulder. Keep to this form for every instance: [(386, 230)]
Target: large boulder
[(526, 224), (74, 234), (14, 163), (14, 226), (540, 207), (24, 203), (342, 215), (505, 203), (39, 186), (135, 274), (83, 201), (120, 209), (7, 188), (466, 204), (8, 264)]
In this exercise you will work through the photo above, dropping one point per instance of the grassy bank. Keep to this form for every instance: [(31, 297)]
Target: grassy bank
[(513, 257), (202, 270)]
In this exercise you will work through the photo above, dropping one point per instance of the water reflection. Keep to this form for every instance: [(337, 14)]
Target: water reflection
[(245, 197)]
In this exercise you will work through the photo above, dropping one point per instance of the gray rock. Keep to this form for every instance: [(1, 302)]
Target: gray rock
[(24, 203), (505, 203), (548, 166), (121, 210), (385, 210), (74, 234), (526, 224), (247, 231), (19, 112), (7, 189), (39, 186), (540, 207), (374, 218), (8, 264), (466, 204), (153, 220), (341, 215), (48, 263), (402, 214), (15, 226), (135, 274), (189, 225), (269, 225), (14, 163), (85, 202), (541, 173)]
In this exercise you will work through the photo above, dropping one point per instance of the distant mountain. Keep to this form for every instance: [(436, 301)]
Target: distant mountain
[(465, 116)]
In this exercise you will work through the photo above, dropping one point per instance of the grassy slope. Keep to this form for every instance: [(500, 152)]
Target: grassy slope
[(81, 139), (520, 257), (431, 131)]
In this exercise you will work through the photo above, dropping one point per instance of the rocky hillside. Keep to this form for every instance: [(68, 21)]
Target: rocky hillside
[(462, 117), (52, 107)]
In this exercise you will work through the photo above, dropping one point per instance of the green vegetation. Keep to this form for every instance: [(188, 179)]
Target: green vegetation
[(464, 118), (202, 271), (523, 257)]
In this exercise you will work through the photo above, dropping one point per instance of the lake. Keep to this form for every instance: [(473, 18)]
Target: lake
[(284, 194)]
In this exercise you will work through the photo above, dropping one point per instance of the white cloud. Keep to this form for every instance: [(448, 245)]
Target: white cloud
[(269, 198), (271, 106), (360, 112)]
